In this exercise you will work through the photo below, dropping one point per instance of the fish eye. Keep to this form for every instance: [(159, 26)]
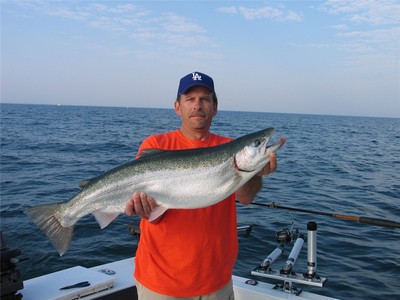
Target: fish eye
[(257, 142)]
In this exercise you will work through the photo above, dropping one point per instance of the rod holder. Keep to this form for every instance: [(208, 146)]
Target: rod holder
[(286, 274), (287, 268), (271, 258), (311, 250)]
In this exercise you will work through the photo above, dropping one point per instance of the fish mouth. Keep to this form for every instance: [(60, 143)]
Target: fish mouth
[(275, 146), (264, 146)]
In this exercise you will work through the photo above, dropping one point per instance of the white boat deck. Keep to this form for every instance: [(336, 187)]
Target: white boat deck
[(121, 285)]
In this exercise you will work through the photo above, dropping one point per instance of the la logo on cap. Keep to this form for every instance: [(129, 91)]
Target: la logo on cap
[(193, 79), (196, 76)]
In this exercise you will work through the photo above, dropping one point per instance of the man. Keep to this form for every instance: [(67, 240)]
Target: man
[(190, 253)]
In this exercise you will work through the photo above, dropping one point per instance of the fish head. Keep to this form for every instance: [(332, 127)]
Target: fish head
[(254, 154)]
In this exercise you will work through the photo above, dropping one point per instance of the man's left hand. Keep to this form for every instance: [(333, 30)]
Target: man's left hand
[(270, 167)]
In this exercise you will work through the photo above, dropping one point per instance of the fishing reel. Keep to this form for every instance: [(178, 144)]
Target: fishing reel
[(284, 236)]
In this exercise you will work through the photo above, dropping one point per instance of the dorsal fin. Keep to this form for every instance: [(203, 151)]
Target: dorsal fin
[(84, 183), (148, 152)]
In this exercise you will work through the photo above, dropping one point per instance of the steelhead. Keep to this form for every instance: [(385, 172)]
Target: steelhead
[(182, 179)]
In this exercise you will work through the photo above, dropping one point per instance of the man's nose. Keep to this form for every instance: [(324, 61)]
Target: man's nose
[(198, 104)]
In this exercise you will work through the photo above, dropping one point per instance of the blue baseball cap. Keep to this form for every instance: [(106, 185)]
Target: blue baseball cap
[(193, 79)]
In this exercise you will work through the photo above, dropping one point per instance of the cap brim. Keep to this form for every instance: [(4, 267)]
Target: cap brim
[(193, 85)]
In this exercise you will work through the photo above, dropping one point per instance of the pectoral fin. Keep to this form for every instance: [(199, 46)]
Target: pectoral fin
[(104, 218), (157, 212)]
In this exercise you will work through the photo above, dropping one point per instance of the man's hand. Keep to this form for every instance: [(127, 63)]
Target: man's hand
[(270, 167), (140, 205)]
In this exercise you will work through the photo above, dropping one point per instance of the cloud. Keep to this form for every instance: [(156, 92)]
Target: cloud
[(265, 12), (340, 27), (67, 13), (232, 10), (382, 40), (97, 15), (119, 9), (135, 21), (373, 12), (369, 33), (54, 9), (170, 28), (173, 23)]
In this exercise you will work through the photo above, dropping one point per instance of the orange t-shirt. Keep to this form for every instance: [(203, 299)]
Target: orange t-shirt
[(190, 252)]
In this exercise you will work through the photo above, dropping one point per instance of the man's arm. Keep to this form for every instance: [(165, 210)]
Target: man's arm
[(248, 191)]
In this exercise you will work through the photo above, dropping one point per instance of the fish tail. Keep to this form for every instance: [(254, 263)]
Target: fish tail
[(45, 217)]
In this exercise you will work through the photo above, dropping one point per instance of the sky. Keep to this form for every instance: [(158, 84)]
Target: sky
[(308, 57)]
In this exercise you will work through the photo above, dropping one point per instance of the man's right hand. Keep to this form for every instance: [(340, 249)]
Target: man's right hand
[(140, 205)]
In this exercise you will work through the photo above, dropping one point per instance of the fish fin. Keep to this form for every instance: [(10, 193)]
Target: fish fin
[(84, 183), (157, 212), (45, 217), (105, 218), (148, 152)]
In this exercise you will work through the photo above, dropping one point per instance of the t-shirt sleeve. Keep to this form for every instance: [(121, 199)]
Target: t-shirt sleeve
[(148, 143)]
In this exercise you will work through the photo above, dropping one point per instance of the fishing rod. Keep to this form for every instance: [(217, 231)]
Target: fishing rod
[(366, 220)]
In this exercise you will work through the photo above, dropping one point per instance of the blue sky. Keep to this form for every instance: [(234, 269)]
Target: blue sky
[(313, 57)]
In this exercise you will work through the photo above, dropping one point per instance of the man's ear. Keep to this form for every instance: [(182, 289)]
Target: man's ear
[(177, 107), (215, 108)]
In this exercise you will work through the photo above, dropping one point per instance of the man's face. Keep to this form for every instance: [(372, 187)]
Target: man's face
[(196, 108)]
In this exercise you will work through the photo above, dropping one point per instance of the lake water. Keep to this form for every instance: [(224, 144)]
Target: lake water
[(346, 165)]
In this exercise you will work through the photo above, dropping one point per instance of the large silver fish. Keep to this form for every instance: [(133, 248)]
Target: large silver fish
[(183, 179)]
